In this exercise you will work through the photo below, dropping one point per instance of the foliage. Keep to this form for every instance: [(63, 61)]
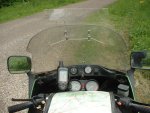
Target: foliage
[(20, 8), (6, 3)]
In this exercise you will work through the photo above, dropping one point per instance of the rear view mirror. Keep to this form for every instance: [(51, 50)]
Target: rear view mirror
[(140, 60), (19, 64)]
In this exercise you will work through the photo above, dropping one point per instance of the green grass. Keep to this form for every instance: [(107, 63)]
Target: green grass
[(88, 51), (18, 63), (132, 19), (28, 8)]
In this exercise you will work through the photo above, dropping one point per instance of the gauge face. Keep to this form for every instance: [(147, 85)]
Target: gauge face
[(73, 70), (75, 85), (88, 69), (92, 86)]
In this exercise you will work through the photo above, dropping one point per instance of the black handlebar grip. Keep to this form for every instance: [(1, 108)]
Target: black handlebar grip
[(140, 108), (20, 107)]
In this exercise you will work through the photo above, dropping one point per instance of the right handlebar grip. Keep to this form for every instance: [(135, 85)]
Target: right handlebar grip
[(20, 107), (141, 108)]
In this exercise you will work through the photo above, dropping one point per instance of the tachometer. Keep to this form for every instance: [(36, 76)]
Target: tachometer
[(75, 85), (92, 85)]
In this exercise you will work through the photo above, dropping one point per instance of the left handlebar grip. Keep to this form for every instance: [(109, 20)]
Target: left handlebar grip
[(20, 107)]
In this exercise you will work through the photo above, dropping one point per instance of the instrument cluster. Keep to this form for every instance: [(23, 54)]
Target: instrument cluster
[(84, 70), (83, 85), (82, 77)]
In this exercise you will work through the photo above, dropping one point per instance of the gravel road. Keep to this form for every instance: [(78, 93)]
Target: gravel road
[(14, 37)]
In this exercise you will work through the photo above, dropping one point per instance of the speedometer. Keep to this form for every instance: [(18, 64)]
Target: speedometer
[(75, 85), (92, 85)]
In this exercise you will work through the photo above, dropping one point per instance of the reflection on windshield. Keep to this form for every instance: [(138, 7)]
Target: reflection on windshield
[(77, 44)]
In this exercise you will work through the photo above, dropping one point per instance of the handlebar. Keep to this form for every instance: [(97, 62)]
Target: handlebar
[(20, 107), (121, 101), (25, 105), (129, 104), (140, 108)]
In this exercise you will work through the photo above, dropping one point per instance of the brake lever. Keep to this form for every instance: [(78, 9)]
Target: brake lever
[(123, 102), (13, 99)]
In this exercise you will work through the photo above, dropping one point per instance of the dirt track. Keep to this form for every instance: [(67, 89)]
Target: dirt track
[(14, 37)]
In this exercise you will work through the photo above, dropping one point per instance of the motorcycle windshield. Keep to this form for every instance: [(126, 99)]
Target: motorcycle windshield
[(77, 44)]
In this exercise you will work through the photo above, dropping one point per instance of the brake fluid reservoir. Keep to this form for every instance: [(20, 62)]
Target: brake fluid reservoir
[(123, 90)]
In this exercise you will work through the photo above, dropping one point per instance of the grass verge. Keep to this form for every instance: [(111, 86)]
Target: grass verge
[(28, 8), (132, 19)]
